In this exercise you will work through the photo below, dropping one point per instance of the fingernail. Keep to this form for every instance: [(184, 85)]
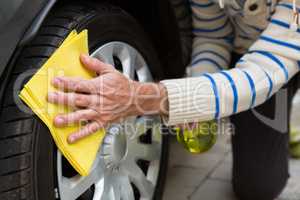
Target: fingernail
[(52, 96), (56, 81), (59, 121), (85, 57), (71, 139)]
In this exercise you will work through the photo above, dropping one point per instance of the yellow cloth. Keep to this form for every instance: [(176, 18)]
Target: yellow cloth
[(65, 61)]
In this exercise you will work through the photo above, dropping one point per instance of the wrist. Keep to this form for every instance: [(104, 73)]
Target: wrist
[(164, 102), (150, 99)]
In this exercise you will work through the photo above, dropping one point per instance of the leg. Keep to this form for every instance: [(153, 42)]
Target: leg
[(260, 155)]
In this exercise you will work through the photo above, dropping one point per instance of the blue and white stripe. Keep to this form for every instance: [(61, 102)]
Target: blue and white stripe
[(271, 58)]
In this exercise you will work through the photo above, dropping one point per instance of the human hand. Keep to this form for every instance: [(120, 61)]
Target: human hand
[(106, 99)]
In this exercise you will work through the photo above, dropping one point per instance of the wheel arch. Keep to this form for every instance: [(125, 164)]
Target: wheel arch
[(157, 19)]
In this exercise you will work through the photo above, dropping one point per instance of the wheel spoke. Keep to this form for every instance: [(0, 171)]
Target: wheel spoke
[(99, 190), (148, 152), (157, 131), (143, 72), (76, 186), (116, 190), (153, 171), (108, 191), (72, 188), (107, 195), (105, 54), (138, 178), (128, 57), (109, 187), (138, 150), (141, 125), (112, 187), (126, 188)]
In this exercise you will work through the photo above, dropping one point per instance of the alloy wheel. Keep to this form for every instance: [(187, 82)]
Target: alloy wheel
[(128, 162)]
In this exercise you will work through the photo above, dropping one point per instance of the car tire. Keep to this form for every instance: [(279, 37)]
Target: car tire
[(27, 151)]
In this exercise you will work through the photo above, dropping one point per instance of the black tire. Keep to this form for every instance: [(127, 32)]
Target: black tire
[(27, 152)]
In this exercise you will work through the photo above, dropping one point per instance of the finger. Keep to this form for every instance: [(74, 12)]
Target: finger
[(75, 117), (87, 130), (95, 65), (73, 84), (73, 99)]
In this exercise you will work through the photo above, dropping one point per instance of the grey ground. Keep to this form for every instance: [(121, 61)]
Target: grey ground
[(207, 176)]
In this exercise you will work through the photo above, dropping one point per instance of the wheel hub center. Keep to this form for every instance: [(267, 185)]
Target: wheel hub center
[(114, 147)]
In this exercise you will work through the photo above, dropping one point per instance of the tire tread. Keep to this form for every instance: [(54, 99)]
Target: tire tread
[(17, 135)]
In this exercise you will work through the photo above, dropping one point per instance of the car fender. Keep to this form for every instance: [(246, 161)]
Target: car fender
[(18, 21)]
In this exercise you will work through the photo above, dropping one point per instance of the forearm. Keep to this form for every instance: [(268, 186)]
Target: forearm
[(271, 62)]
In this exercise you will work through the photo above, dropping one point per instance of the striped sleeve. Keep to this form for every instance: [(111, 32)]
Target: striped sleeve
[(213, 35), (271, 62)]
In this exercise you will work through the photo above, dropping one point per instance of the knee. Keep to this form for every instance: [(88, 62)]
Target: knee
[(258, 186)]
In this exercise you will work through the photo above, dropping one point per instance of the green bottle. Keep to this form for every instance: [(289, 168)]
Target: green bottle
[(199, 138)]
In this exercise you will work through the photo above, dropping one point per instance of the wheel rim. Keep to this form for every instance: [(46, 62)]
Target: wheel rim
[(117, 172)]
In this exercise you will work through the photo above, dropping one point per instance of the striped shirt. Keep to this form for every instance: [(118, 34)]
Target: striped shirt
[(260, 29)]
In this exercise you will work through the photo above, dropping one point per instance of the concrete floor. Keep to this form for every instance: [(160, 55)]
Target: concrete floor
[(207, 176)]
